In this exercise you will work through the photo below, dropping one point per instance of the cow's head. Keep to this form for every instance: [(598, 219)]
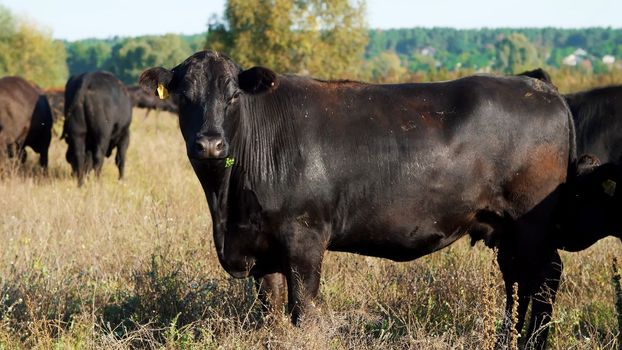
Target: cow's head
[(207, 87), (595, 202)]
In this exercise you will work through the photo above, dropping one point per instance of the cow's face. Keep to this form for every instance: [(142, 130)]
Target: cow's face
[(207, 87)]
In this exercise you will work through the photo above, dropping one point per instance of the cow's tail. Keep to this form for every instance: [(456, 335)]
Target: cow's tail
[(74, 107)]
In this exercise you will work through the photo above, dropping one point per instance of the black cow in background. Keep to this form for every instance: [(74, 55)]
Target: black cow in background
[(143, 99), (25, 119), (592, 205), (539, 74), (597, 115), (293, 166), (140, 99), (98, 112)]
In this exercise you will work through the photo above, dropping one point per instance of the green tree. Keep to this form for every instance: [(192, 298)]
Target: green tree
[(324, 38), (387, 68), (83, 56), (515, 54), (130, 57), (418, 62), (30, 52)]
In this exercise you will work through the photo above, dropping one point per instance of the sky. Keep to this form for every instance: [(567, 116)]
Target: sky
[(79, 19)]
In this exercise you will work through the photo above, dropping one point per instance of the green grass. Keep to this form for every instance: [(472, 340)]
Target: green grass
[(131, 264)]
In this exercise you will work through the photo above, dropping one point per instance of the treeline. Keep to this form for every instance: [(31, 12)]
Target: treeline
[(329, 39), (482, 49), (29, 51), (417, 54), (128, 57)]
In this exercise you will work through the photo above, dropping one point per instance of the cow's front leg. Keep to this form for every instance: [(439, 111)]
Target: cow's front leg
[(542, 304), (303, 266), (513, 277), (536, 272)]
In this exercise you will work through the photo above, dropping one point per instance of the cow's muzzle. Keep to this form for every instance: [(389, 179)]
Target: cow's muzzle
[(209, 147)]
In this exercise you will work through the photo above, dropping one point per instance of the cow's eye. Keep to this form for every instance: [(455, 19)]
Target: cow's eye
[(233, 98)]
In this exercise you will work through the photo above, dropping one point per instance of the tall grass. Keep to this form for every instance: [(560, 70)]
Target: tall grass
[(131, 264)]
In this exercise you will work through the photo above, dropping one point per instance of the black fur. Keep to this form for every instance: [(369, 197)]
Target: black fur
[(98, 113), (257, 80), (25, 119), (393, 171)]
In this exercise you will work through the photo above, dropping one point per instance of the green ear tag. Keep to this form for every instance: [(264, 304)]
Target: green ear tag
[(229, 162), (609, 187)]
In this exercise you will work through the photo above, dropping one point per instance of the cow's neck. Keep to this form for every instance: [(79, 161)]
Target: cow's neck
[(577, 231), (215, 179), (576, 240), (264, 145), (229, 195), (265, 140)]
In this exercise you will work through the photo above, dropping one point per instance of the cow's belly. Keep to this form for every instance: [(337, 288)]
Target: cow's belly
[(407, 242)]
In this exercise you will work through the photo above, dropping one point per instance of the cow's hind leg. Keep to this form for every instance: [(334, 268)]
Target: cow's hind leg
[(121, 151), (10, 150), (43, 158), (303, 265), (272, 292), (21, 153), (98, 159), (81, 158), (515, 292)]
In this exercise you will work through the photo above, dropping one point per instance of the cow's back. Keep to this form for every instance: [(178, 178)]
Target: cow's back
[(598, 118), (18, 99), (401, 170), (96, 103)]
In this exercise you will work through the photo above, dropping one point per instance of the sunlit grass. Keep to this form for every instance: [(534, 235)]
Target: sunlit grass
[(131, 264)]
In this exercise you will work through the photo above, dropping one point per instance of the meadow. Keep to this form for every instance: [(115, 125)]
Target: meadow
[(131, 264)]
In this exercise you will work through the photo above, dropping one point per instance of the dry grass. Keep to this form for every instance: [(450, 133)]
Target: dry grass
[(131, 264)]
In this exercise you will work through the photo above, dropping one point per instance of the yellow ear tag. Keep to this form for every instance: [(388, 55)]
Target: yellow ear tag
[(162, 92), (609, 187)]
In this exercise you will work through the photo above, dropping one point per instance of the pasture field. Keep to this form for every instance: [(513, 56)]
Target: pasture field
[(131, 264)]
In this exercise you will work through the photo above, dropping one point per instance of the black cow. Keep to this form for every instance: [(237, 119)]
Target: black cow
[(25, 119), (539, 74), (597, 115), (293, 166), (592, 205), (98, 112), (143, 99)]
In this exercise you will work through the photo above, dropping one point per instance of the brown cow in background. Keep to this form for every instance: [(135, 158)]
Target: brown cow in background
[(143, 99), (56, 98), (25, 119)]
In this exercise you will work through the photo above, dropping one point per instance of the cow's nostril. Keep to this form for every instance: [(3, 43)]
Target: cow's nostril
[(219, 146), (199, 146)]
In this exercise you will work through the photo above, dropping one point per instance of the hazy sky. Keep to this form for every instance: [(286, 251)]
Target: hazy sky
[(76, 19)]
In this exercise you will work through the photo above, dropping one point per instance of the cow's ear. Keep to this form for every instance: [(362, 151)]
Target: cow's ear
[(156, 80), (257, 80)]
